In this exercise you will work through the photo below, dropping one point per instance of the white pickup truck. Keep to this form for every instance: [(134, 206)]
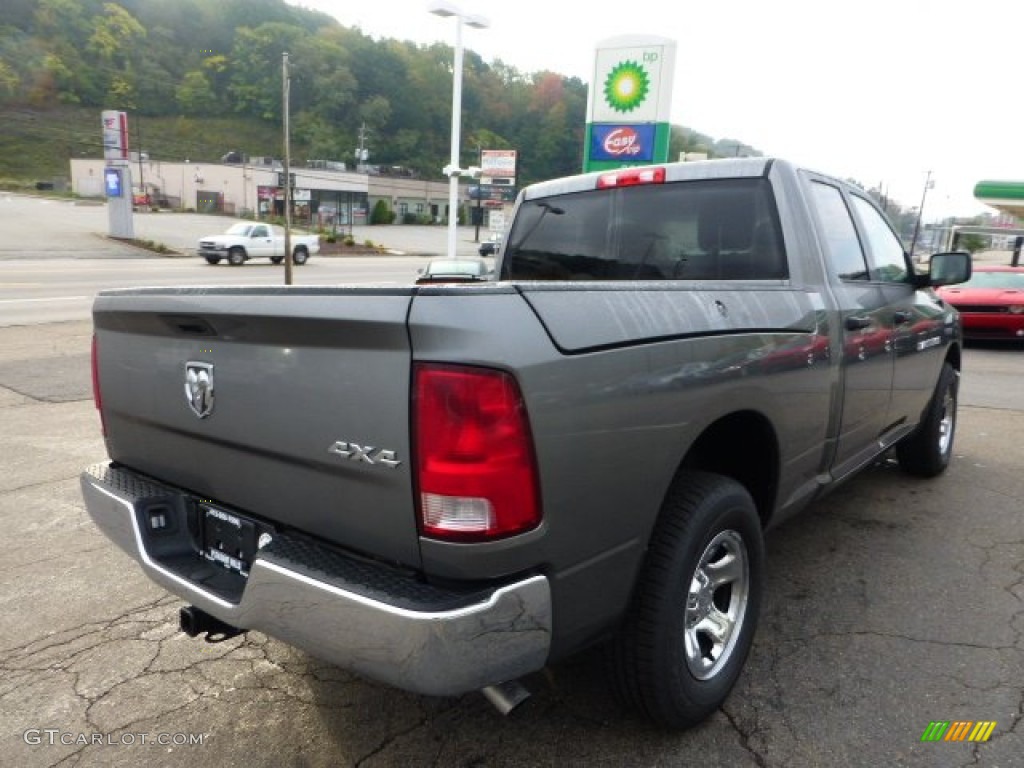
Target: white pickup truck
[(252, 240)]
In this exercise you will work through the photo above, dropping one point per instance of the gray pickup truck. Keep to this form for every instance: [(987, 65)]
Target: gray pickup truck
[(448, 487)]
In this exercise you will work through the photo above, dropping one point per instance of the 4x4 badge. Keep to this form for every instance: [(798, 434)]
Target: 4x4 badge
[(199, 388)]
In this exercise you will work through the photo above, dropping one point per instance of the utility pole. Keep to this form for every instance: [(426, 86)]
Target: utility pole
[(479, 193), (142, 180), (287, 180), (920, 212), (362, 153)]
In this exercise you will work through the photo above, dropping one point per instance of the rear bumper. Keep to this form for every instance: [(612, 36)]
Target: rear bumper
[(368, 618)]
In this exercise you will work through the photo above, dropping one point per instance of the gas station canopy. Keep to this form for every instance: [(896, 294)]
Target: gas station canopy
[(1004, 196)]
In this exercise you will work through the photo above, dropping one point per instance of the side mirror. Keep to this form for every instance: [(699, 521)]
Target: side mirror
[(949, 268)]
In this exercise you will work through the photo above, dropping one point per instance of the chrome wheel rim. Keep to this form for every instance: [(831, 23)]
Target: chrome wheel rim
[(716, 604), (947, 422)]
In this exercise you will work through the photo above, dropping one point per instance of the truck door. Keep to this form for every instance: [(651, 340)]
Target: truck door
[(916, 316), (865, 321), (261, 241)]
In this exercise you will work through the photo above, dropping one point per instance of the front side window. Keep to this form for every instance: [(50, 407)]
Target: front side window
[(693, 230), (260, 232), (845, 252), (888, 261)]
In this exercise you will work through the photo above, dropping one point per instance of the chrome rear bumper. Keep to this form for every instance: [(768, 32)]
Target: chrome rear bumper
[(363, 617)]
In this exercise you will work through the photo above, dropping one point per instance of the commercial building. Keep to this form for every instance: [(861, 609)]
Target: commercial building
[(324, 196)]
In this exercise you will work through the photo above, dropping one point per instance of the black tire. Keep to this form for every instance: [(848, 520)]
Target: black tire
[(927, 450), (664, 662), (300, 256), (212, 259), (277, 259), (236, 257)]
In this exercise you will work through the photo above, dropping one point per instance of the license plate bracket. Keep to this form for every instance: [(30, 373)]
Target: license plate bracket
[(228, 539)]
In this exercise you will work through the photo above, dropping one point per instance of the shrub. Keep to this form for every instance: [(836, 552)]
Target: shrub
[(381, 214)]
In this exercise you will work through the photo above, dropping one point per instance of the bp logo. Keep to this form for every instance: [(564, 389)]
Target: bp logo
[(626, 86)]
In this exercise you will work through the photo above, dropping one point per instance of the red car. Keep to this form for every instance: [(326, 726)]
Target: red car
[(991, 303)]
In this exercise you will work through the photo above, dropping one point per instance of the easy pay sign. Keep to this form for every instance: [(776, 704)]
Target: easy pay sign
[(632, 80)]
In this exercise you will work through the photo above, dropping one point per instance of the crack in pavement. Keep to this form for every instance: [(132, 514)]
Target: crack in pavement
[(893, 636), (40, 484), (54, 642), (745, 739), (43, 399)]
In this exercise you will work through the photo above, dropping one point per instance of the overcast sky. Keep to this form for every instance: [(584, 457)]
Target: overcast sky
[(881, 91)]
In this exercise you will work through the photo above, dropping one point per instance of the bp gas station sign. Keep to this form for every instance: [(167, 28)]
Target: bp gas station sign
[(629, 102)]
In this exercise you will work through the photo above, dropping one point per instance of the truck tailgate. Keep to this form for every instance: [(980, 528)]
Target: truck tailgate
[(308, 423)]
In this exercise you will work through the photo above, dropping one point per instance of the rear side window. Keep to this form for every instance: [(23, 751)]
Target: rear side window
[(694, 230)]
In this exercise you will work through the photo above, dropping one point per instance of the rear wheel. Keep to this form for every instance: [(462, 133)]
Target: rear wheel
[(926, 451), (277, 259), (212, 259), (236, 257), (695, 608), (300, 256)]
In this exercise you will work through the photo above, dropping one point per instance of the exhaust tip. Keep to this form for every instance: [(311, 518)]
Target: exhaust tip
[(506, 696)]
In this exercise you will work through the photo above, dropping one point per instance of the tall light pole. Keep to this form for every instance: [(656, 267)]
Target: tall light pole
[(452, 170)]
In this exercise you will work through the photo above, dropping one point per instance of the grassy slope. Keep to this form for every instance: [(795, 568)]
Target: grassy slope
[(36, 144)]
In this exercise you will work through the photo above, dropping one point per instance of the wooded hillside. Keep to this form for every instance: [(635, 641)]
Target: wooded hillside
[(185, 66)]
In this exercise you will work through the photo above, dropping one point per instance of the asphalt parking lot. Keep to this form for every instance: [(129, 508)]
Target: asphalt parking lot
[(893, 603)]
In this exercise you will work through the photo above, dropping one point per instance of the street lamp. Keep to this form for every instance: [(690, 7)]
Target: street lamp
[(452, 170)]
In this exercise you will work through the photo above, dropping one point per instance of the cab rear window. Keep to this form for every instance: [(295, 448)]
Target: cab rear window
[(695, 230)]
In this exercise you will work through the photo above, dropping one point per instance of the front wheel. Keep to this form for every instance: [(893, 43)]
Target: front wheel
[(696, 604), (236, 257), (212, 259), (927, 450), (300, 256)]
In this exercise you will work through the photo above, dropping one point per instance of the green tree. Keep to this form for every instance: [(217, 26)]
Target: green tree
[(116, 40), (256, 67), (195, 95), (375, 113), (321, 79), (8, 82), (683, 140), (972, 243)]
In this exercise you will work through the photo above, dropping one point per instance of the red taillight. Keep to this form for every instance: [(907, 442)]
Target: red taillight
[(631, 177), (476, 471), (97, 396)]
